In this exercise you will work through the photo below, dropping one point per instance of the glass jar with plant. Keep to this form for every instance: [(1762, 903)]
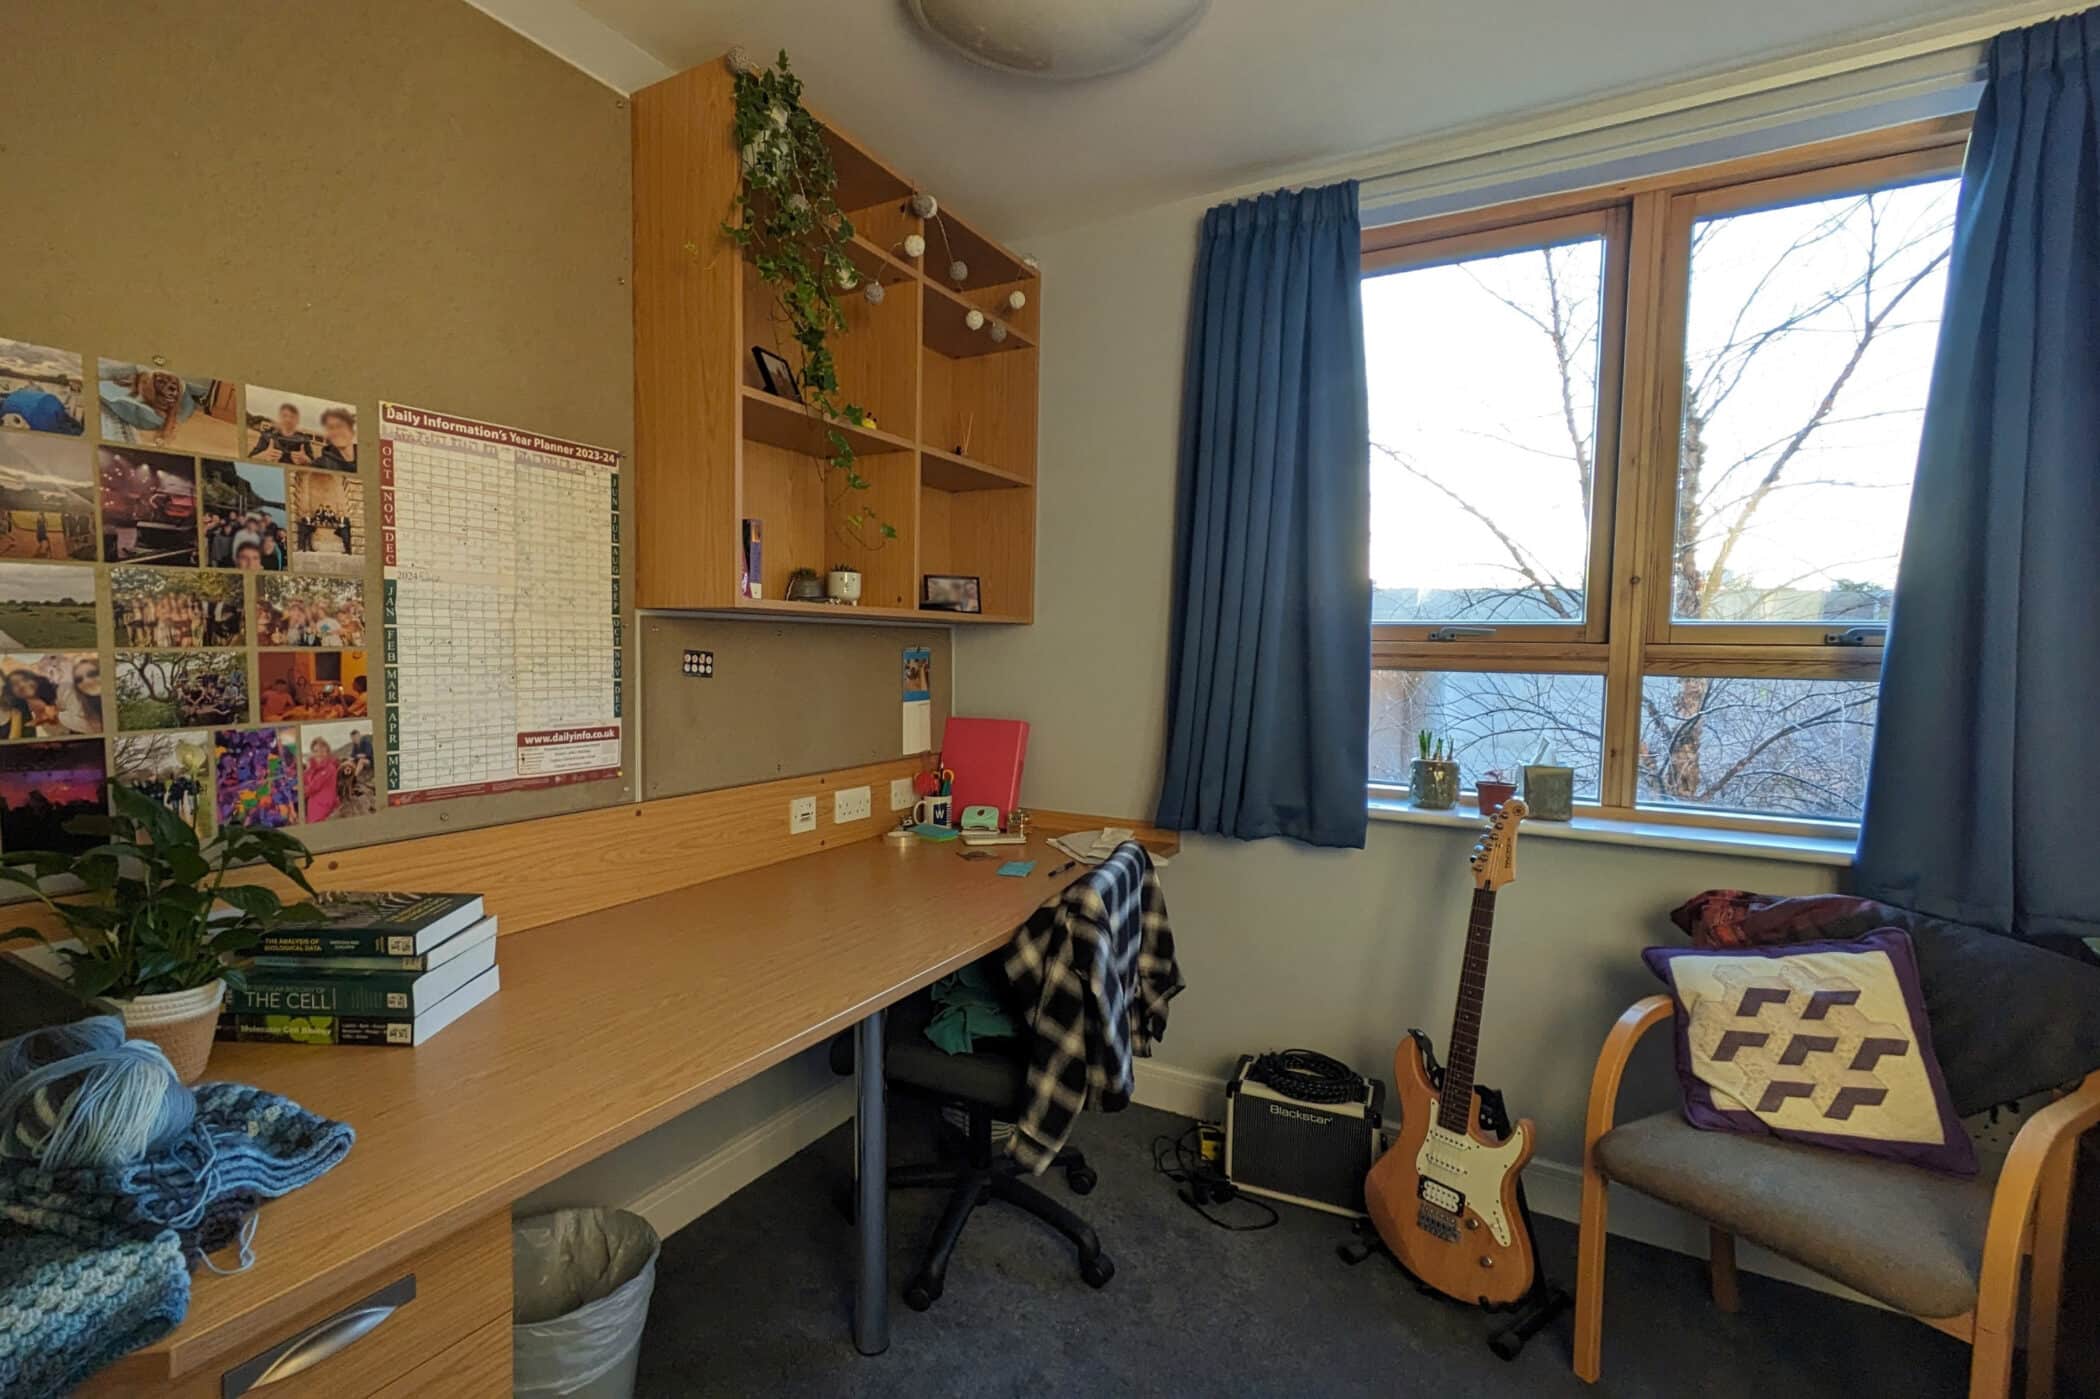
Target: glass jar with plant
[(154, 924), (788, 222)]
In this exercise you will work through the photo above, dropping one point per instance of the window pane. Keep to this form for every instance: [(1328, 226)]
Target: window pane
[(1808, 353), (1483, 383), (1494, 721), (1794, 748)]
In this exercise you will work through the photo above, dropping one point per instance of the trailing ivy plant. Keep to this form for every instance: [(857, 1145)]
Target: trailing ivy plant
[(157, 914), (788, 221)]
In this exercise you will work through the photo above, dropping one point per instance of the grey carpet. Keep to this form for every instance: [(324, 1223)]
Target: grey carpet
[(754, 1299)]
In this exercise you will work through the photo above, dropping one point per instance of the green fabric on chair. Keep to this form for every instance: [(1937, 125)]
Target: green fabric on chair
[(1907, 1237)]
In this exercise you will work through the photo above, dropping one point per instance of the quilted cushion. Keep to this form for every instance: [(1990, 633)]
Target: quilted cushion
[(1820, 1042), (1910, 1238), (2010, 1019)]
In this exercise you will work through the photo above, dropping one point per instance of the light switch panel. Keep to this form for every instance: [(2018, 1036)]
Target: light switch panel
[(901, 794)]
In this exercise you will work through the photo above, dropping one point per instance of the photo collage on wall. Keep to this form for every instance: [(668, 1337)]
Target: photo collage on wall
[(205, 540)]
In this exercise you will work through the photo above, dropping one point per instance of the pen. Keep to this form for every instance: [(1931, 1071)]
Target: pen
[(1061, 869)]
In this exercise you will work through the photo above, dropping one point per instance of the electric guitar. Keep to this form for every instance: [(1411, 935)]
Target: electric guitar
[(1444, 1197)]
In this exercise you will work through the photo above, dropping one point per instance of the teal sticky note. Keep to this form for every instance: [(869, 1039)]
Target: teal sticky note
[(1018, 869)]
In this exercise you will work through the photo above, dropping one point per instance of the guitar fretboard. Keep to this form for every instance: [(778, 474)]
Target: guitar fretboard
[(1454, 1110)]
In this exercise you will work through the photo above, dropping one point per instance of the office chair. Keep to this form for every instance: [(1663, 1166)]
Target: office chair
[(990, 1082)]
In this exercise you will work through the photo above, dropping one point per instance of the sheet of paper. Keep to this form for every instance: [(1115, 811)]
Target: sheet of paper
[(502, 608), (918, 700)]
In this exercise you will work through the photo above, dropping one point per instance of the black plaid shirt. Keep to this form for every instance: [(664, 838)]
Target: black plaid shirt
[(1095, 966)]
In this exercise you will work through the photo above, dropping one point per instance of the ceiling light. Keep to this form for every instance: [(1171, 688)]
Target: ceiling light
[(1059, 39)]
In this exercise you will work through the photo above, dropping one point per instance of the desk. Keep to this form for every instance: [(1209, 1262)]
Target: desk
[(607, 1025)]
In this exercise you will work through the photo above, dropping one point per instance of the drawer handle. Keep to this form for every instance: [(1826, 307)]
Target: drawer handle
[(328, 1337)]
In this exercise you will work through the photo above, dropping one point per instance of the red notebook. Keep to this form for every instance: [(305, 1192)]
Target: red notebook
[(986, 755)]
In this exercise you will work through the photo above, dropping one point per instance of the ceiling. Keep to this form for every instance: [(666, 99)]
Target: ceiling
[(1258, 87)]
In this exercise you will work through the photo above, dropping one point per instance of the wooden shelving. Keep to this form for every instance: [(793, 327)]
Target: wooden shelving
[(783, 423), (946, 471), (949, 470), (948, 333)]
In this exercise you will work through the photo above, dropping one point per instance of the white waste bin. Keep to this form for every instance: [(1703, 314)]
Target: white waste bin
[(582, 1285)]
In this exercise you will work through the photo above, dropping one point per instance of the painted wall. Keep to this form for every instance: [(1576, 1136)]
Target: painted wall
[(1282, 945)]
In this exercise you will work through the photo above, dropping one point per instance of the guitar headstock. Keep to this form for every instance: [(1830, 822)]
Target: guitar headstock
[(1495, 853)]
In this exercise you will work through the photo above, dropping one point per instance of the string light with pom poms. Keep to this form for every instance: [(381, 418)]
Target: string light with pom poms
[(974, 320)]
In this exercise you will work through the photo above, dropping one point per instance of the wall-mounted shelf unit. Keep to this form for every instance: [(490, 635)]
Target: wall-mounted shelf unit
[(949, 456)]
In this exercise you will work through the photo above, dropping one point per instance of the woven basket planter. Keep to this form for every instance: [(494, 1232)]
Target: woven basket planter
[(182, 1023)]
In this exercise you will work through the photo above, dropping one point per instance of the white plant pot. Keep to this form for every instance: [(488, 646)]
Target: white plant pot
[(842, 585), (182, 1023)]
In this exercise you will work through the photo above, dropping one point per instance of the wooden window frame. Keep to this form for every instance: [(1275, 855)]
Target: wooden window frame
[(1628, 632)]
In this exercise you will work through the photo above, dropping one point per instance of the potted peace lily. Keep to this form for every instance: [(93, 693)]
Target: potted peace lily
[(154, 926)]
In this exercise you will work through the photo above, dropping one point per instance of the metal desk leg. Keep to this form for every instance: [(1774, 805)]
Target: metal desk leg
[(871, 1297)]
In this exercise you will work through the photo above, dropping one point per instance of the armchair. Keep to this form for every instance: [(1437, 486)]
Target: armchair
[(1946, 1250)]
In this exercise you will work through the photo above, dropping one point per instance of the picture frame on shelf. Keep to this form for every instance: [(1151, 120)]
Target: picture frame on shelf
[(776, 374), (951, 592)]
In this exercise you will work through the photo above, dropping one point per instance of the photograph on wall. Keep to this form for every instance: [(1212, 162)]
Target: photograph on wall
[(41, 389), (47, 606), (168, 609), (292, 610), (47, 497), (328, 523), (298, 429), (339, 773), (147, 407), (244, 519), (176, 769), (258, 777), (45, 785), (312, 685), (181, 689), (149, 508), (50, 694)]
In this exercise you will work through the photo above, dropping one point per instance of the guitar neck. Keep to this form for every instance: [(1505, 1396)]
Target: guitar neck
[(1454, 1109)]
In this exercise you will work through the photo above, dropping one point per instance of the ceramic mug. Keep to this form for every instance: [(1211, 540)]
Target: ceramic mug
[(932, 811)]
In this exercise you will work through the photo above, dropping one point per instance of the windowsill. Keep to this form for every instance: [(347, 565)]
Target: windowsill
[(1651, 835)]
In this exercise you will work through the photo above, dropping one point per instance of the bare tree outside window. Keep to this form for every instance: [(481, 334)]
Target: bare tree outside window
[(1809, 338)]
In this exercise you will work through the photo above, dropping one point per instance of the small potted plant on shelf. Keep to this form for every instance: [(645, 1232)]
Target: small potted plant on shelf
[(842, 585), (1433, 780), (1493, 789), (155, 927), (1549, 789)]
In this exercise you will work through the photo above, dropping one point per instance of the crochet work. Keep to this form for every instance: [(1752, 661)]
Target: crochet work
[(94, 1261)]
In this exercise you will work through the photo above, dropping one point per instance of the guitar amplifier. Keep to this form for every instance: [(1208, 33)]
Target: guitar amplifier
[(1304, 1138)]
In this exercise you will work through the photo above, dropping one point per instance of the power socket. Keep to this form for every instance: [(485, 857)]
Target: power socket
[(901, 794), (850, 804), (802, 815)]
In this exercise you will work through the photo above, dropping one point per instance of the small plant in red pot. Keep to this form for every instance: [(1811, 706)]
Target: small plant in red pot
[(1493, 789)]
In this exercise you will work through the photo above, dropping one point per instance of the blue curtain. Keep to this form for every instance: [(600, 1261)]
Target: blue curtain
[(1980, 807), (1269, 681)]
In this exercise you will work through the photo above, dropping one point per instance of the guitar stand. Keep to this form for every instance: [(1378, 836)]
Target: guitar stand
[(1535, 1310), (1531, 1314)]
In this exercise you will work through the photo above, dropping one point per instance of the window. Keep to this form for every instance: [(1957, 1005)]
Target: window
[(1640, 469)]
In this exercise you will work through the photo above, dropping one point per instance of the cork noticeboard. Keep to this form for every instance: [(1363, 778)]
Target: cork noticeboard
[(421, 206), (774, 699)]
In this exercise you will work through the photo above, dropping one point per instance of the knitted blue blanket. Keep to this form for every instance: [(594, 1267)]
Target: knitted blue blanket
[(94, 1261)]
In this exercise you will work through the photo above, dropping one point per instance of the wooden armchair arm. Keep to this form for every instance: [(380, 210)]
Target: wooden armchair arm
[(2055, 1128), (1640, 1017)]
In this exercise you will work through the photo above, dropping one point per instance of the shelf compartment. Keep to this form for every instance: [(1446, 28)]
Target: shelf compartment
[(784, 423), (946, 334), (990, 262), (948, 471)]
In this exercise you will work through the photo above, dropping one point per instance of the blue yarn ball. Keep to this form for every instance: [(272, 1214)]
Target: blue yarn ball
[(84, 1095)]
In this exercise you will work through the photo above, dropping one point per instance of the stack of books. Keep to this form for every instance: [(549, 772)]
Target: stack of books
[(374, 969)]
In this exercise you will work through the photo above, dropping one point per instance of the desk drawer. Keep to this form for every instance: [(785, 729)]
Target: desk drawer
[(370, 1334)]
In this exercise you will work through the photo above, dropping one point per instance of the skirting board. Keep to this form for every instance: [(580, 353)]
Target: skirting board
[(677, 1201), (1554, 1188)]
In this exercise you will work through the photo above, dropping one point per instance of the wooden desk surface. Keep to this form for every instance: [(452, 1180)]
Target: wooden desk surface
[(606, 1025)]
